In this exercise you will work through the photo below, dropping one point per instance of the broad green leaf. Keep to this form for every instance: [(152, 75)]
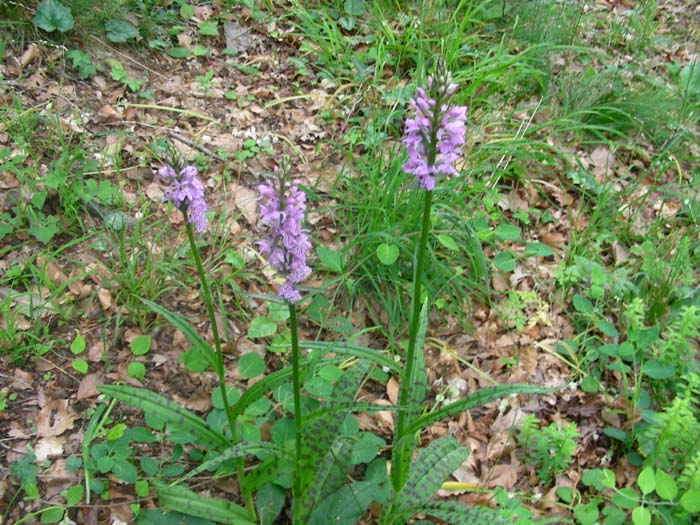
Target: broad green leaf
[(345, 506), (641, 516), (504, 262), (507, 232), (78, 345), (52, 515), (125, 471), (478, 398), (538, 249), (690, 501), (448, 241), (625, 498), (136, 370), (81, 365), (255, 392), (73, 495), (656, 370), (666, 486), (250, 365), (179, 52), (186, 329), (51, 15), (209, 28), (387, 253), (232, 395), (582, 305), (261, 327), (366, 448), (646, 480), (269, 500), (172, 413), (184, 500), (331, 260), (430, 469), (140, 345), (120, 30)]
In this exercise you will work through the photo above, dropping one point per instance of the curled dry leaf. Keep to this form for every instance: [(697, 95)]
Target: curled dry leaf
[(104, 296)]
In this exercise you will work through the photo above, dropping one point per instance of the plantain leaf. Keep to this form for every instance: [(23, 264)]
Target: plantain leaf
[(241, 449), (321, 432), (351, 350), (185, 501), (478, 398), (198, 344), (430, 469), (346, 505), (456, 514), (172, 413), (330, 475)]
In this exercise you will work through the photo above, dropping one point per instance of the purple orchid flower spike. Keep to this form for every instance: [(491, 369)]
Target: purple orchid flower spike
[(286, 245), (186, 192), (435, 135)]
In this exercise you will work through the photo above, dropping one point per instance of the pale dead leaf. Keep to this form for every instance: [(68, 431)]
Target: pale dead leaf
[(602, 160), (55, 418), (246, 202), (392, 390), (108, 114), (88, 386), (154, 192), (554, 239), (503, 476), (22, 380), (104, 296), (48, 447), (31, 53)]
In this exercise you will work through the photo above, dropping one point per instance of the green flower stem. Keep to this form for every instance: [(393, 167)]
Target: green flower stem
[(250, 505), (406, 384), (297, 403)]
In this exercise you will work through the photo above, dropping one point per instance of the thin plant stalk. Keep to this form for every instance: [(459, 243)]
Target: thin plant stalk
[(406, 384), (250, 505), (297, 402)]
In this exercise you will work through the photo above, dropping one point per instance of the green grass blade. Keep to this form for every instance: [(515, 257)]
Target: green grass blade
[(184, 500), (190, 334), (430, 469), (172, 413), (479, 398)]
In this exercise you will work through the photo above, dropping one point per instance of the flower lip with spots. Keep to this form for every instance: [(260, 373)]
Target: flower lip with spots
[(186, 192)]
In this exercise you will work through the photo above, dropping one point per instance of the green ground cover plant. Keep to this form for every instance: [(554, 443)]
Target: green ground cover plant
[(483, 243)]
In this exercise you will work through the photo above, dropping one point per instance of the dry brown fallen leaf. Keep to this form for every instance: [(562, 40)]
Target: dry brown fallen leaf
[(55, 418)]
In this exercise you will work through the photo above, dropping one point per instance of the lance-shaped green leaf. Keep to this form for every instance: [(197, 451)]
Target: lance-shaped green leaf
[(456, 514), (430, 469), (320, 433), (237, 451), (260, 389), (184, 500), (418, 384), (478, 398), (351, 350), (172, 413), (330, 475), (199, 344), (346, 505), (417, 387)]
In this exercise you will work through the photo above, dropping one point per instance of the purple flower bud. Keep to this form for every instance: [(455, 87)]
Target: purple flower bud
[(434, 137), (286, 245), (186, 192)]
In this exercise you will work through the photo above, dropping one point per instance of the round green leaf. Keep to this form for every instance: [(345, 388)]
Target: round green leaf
[(125, 471), (50, 16), (179, 52), (217, 400), (504, 262), (387, 253), (136, 370), (80, 365), (140, 344), (626, 498), (73, 495), (78, 345), (646, 480), (690, 501), (507, 232), (448, 242), (141, 488), (261, 327), (52, 515), (251, 365), (666, 486), (641, 516)]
